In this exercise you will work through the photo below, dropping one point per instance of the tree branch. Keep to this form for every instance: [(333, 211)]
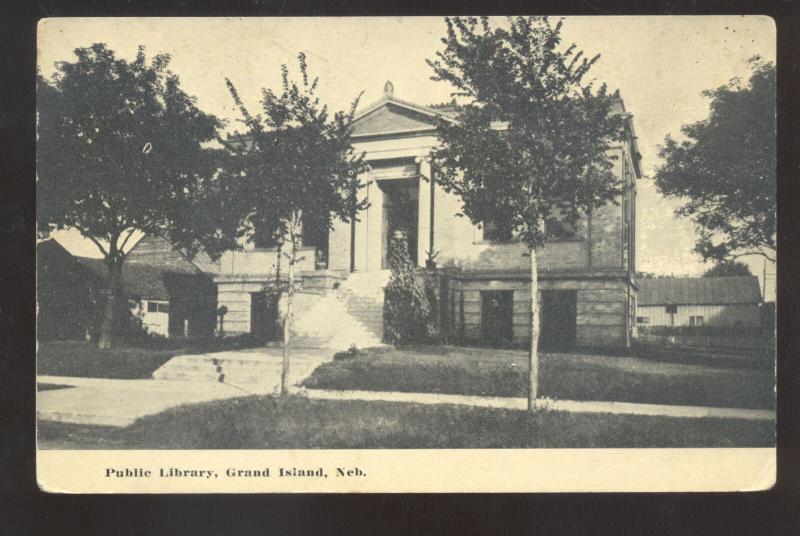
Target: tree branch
[(93, 239), (122, 247)]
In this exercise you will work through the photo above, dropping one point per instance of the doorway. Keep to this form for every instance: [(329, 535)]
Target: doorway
[(497, 317), (400, 213), (558, 319), (264, 320)]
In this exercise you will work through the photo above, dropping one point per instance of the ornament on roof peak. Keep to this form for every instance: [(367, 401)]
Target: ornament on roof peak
[(388, 89)]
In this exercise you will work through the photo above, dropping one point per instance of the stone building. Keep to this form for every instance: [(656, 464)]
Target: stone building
[(586, 275)]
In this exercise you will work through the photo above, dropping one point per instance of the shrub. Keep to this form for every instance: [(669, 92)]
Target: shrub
[(347, 354), (409, 315)]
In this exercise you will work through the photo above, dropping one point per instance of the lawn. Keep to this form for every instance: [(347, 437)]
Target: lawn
[(262, 422), (124, 361), (86, 360), (489, 372)]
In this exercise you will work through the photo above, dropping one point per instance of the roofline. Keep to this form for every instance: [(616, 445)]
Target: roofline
[(390, 99)]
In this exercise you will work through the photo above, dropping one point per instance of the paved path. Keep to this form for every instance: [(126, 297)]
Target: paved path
[(108, 402), (626, 408)]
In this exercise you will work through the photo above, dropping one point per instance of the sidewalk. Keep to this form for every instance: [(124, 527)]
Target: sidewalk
[(576, 406), (105, 402)]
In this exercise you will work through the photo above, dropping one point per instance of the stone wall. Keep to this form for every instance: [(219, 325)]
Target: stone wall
[(600, 319)]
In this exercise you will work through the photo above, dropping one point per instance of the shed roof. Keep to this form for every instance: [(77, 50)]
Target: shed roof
[(699, 291), (140, 279)]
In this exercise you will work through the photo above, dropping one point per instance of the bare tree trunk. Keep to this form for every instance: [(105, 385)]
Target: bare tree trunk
[(110, 311), (533, 378), (287, 322)]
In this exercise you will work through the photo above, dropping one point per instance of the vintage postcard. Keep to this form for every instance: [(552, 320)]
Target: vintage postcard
[(407, 254)]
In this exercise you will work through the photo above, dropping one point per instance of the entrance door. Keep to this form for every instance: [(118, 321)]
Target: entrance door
[(497, 317), (400, 213), (264, 325), (558, 319)]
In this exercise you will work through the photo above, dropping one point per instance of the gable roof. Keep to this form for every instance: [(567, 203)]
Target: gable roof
[(699, 291), (149, 281), (151, 249), (390, 115)]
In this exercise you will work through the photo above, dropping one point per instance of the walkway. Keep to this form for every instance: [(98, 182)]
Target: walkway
[(108, 402), (576, 406), (104, 402)]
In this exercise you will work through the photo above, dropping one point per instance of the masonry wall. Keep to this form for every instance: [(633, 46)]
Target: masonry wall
[(600, 319)]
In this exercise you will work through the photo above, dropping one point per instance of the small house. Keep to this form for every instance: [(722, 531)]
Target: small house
[(699, 301)]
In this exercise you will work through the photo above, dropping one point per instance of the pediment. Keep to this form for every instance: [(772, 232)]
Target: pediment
[(391, 118)]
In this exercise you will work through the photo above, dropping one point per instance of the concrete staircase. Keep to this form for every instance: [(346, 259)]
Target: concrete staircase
[(351, 314), (238, 369), (256, 370)]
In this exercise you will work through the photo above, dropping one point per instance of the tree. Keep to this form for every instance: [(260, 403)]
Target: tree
[(724, 169), (120, 150), (292, 174), (531, 142), (728, 269)]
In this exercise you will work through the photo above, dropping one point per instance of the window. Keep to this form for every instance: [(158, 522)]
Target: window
[(157, 307), (671, 309), (562, 222), (492, 233), (696, 321), (315, 231), (560, 229), (642, 319)]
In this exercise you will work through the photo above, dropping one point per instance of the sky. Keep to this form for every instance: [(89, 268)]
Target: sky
[(661, 65)]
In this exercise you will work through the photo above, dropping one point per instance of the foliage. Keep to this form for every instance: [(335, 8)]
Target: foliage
[(408, 312), (292, 174), (120, 150), (552, 157), (724, 169), (295, 159), (728, 269), (351, 352)]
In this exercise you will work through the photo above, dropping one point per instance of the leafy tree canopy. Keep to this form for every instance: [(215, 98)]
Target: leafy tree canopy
[(724, 169), (120, 149), (728, 269), (296, 158), (533, 136)]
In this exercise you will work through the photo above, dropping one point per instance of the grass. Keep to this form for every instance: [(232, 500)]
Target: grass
[(294, 422), (86, 360), (488, 372), (124, 361)]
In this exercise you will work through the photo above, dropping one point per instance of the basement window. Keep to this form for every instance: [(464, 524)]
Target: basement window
[(642, 319), (696, 321)]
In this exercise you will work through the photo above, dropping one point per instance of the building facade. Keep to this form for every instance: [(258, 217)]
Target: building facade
[(700, 301), (586, 275)]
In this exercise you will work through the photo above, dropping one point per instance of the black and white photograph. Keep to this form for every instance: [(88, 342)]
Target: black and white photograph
[(402, 235)]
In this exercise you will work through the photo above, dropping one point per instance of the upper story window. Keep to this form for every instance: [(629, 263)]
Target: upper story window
[(561, 228), (493, 233), (561, 224)]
